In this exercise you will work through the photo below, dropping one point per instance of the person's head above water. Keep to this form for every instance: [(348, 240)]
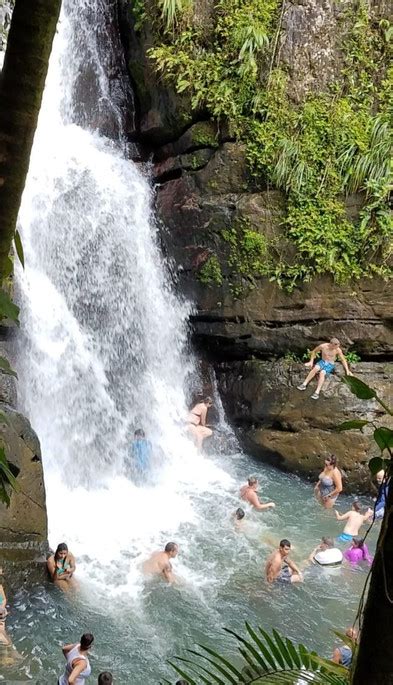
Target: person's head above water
[(87, 640), (285, 547), (356, 506), (334, 342), (172, 549), (357, 541), (327, 543), (380, 476), (61, 551), (105, 678), (331, 461), (253, 482), (139, 433), (240, 514)]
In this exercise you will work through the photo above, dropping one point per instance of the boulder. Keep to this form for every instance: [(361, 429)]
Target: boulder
[(285, 427)]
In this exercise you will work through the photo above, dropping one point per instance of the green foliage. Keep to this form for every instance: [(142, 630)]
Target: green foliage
[(6, 368), (249, 256), (318, 151), (265, 658), (19, 248), (210, 273), (352, 357), (360, 389), (8, 309)]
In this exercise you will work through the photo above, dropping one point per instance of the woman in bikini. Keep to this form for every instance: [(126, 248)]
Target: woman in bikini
[(61, 567), (196, 421), (329, 483)]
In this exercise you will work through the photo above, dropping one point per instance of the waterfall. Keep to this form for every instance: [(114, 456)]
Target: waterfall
[(103, 345)]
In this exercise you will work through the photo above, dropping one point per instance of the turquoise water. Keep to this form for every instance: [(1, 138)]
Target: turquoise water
[(138, 626)]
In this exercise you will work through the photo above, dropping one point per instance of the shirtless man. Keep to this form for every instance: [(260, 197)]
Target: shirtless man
[(159, 563), (280, 567), (355, 519), (196, 421), (249, 494), (329, 353)]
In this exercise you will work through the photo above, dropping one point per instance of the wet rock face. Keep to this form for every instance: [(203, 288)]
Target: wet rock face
[(285, 427), (23, 526)]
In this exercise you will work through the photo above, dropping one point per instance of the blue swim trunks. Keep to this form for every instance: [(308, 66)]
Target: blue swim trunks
[(345, 537), (328, 367)]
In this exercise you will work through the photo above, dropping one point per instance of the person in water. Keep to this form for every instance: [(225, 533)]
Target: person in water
[(280, 567), (141, 451), (4, 639), (343, 655), (383, 491), (61, 566), (196, 422), (159, 564), (358, 551), (239, 518), (326, 554), (325, 366), (354, 521), (105, 678), (248, 493), (78, 666), (329, 483)]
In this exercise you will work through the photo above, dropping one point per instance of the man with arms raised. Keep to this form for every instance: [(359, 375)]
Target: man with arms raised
[(280, 567), (325, 366), (159, 563), (249, 494)]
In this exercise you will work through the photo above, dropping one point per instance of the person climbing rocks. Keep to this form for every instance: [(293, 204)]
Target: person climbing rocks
[(248, 493), (280, 568), (196, 421), (325, 366), (159, 564), (355, 519)]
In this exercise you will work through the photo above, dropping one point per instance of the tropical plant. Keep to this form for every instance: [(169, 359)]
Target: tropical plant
[(262, 658)]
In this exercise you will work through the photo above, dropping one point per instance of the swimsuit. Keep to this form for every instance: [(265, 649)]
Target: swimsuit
[(63, 569), (346, 656), (345, 537), (285, 574), (71, 656), (328, 367), (326, 487)]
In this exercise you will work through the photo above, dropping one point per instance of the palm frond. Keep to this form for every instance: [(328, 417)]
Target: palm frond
[(265, 659)]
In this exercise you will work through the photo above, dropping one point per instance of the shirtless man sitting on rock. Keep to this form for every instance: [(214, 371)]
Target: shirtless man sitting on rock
[(280, 567), (325, 366), (249, 494), (159, 563)]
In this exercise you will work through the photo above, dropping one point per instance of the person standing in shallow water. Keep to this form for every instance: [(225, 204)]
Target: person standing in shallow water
[(325, 366), (159, 564), (196, 421), (354, 521), (280, 567), (78, 667), (329, 483), (248, 493)]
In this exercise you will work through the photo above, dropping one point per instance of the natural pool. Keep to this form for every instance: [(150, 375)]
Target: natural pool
[(138, 626)]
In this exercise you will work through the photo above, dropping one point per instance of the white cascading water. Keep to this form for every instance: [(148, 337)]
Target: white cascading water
[(104, 343)]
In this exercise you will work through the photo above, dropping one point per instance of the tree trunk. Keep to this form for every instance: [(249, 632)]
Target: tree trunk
[(374, 664), (22, 83)]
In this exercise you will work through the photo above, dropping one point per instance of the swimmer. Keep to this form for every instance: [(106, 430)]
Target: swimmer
[(249, 494), (78, 667), (358, 551), (141, 451), (355, 520), (279, 567), (61, 566), (326, 554), (196, 421), (239, 518), (325, 366), (159, 563), (329, 483), (343, 655), (105, 678)]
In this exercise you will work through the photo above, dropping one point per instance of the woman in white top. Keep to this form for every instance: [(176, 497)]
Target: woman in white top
[(78, 667)]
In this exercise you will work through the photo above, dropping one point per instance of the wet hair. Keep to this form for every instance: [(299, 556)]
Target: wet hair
[(207, 400), (358, 541), (334, 341), (356, 506), (240, 513), (170, 547), (105, 678), (62, 547), (139, 433), (252, 480), (328, 542), (332, 459), (87, 640), (285, 543)]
